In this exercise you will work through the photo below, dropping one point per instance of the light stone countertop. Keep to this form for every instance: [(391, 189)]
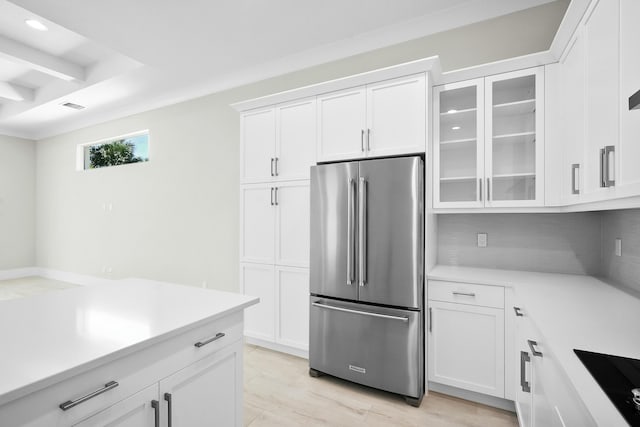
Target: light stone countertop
[(570, 311), (50, 337)]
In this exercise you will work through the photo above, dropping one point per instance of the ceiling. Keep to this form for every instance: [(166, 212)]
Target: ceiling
[(121, 57)]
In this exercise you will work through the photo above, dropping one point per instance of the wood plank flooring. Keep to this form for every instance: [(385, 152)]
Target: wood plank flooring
[(279, 392)]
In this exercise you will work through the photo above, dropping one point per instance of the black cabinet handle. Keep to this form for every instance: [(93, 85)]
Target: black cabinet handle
[(524, 358), (156, 412), (71, 403), (210, 340)]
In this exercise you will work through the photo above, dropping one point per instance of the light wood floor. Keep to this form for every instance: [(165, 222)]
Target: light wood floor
[(279, 392)]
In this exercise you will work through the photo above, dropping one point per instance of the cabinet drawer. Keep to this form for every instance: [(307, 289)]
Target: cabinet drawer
[(132, 372), (466, 293)]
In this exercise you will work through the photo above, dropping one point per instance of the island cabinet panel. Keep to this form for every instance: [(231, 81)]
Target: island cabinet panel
[(203, 353)]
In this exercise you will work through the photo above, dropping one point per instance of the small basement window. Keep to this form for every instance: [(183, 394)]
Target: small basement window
[(115, 151)]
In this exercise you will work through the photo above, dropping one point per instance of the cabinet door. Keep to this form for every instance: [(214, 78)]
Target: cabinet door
[(259, 319), (466, 347), (257, 145), (397, 116), (295, 140), (292, 224), (514, 139), (458, 145), (629, 150), (257, 214), (292, 290), (601, 33), (207, 393), (572, 116), (134, 411), (342, 125), (524, 397)]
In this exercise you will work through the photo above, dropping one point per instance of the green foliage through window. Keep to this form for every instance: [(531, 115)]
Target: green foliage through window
[(123, 151)]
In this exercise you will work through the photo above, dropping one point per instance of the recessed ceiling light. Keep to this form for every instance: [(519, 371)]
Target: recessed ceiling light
[(456, 128), (36, 25), (74, 106)]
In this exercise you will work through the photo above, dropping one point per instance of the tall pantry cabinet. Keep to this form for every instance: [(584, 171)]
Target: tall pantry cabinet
[(277, 150)]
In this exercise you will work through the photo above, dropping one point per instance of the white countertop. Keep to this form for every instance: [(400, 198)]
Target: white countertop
[(50, 337), (571, 311)]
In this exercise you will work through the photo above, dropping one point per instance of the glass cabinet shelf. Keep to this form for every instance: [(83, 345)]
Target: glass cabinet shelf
[(527, 106), (457, 141), (458, 178)]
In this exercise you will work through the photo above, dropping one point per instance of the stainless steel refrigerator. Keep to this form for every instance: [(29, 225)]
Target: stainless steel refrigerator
[(367, 274)]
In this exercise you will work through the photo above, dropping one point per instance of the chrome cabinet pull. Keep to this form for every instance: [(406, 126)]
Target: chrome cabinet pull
[(518, 311), (603, 168), (362, 140), (524, 358), (276, 197), (362, 232), (368, 139), (364, 313), (430, 319), (271, 196), (156, 412), (71, 403), (479, 189), (167, 397), (276, 168), (532, 346), (271, 167), (488, 189), (464, 294), (351, 235), (609, 150), (575, 178), (210, 340)]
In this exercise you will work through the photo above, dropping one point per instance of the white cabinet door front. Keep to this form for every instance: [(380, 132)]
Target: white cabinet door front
[(601, 32), (257, 213), (207, 393), (134, 411), (293, 307), (341, 125), (259, 320), (296, 140), (397, 116), (292, 224), (258, 144), (466, 347)]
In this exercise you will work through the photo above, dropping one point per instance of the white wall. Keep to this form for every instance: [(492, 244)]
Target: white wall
[(175, 218), (17, 203)]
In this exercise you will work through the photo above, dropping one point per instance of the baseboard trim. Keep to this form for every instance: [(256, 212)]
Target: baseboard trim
[(17, 273), (276, 347), (472, 396)]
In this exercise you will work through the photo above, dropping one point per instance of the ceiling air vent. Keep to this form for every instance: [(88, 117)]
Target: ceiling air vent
[(74, 106)]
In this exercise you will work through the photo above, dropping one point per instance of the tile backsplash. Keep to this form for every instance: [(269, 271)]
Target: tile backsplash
[(552, 243), (579, 243)]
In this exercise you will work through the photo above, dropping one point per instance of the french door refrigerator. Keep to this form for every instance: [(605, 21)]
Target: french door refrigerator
[(367, 275)]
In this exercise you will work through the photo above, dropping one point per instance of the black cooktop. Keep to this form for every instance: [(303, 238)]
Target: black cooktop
[(617, 376)]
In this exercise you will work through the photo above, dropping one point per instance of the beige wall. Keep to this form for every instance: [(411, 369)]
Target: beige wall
[(175, 218), (17, 203)]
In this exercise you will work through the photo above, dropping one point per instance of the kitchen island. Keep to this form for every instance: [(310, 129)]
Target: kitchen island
[(128, 352)]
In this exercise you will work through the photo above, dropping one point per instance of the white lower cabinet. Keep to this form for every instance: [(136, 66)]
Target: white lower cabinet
[(465, 339), (282, 315), (191, 379)]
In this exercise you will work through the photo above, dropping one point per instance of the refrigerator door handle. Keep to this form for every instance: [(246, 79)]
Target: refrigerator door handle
[(351, 235), (362, 232), (365, 313)]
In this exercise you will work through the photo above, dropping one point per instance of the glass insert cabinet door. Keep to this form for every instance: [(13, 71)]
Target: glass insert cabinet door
[(514, 143), (458, 144)]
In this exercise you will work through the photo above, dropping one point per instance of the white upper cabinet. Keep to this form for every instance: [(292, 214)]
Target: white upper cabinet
[(629, 149), (342, 125), (257, 232), (489, 142), (601, 32), (396, 116), (258, 143), (295, 140), (381, 119), (459, 144), (278, 144)]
